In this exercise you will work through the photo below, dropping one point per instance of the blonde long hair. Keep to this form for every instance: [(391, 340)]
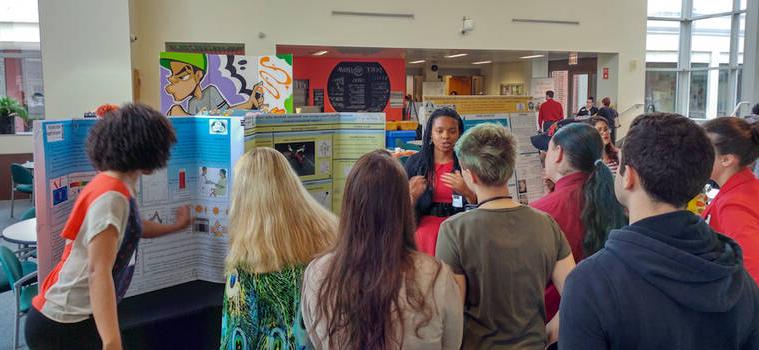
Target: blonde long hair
[(274, 221)]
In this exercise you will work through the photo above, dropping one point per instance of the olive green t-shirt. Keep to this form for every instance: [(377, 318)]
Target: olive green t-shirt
[(507, 256)]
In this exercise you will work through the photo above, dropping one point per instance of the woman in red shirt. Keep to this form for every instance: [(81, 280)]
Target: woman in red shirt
[(583, 201), (733, 211), (436, 185)]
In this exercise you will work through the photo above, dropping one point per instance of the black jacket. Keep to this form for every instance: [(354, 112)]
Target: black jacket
[(584, 111), (417, 166), (665, 282), (610, 115)]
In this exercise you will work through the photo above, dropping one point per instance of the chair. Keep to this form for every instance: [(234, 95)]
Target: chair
[(22, 181), (24, 286), (30, 213), (412, 147), (27, 267), (26, 251)]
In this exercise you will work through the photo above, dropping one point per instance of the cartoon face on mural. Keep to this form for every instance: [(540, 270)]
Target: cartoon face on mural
[(196, 83), (184, 80)]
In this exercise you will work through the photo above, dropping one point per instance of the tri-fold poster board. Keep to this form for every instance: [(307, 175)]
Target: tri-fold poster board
[(322, 148)]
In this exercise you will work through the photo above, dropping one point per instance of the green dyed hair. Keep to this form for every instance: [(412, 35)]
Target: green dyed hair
[(489, 151)]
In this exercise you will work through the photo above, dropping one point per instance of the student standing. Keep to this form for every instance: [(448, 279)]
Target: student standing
[(734, 211), (502, 253), (437, 188), (276, 228), (76, 306), (583, 201), (611, 153), (588, 110), (611, 115), (373, 290), (666, 281), (549, 112)]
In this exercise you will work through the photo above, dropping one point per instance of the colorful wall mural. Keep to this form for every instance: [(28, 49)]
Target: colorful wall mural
[(193, 83)]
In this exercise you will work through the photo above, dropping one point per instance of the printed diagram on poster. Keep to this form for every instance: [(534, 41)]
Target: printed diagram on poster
[(154, 188), (60, 190), (217, 126), (193, 83), (213, 182), (321, 148), (300, 155), (158, 216), (321, 191)]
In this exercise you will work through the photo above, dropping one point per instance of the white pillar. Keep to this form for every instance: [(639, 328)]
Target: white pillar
[(750, 79), (712, 89), (539, 67), (608, 87), (86, 58)]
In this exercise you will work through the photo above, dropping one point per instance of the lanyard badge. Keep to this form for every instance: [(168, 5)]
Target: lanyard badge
[(458, 201)]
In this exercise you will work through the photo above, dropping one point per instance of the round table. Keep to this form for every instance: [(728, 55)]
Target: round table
[(22, 232)]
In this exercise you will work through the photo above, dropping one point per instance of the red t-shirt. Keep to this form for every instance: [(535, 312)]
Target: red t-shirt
[(735, 213), (564, 205), (550, 111), (429, 225)]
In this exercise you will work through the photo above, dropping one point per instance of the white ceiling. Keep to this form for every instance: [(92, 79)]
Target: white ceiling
[(429, 55)]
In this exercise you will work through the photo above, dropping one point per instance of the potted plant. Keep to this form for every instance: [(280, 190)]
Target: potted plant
[(9, 110)]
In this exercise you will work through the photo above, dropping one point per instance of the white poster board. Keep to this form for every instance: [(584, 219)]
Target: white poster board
[(199, 174)]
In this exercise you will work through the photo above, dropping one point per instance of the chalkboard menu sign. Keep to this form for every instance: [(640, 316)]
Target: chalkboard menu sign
[(358, 87), (319, 97)]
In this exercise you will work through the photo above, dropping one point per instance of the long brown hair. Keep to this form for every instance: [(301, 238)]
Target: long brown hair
[(359, 297), (610, 150)]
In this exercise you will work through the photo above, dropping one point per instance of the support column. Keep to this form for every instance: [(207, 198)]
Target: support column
[(750, 79), (85, 55), (712, 86)]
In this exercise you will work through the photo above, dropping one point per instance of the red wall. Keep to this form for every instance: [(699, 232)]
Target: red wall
[(13, 79), (317, 69)]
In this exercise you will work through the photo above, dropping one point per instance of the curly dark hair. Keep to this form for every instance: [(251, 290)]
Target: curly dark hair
[(133, 137), (672, 155)]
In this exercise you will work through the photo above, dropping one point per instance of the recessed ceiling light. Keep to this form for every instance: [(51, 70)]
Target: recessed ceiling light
[(415, 62), (532, 56), (457, 55), (320, 53), (482, 62)]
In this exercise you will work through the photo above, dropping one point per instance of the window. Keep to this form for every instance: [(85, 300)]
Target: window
[(20, 61), (710, 72), (741, 37), (661, 91), (698, 89), (664, 8), (709, 7), (710, 40)]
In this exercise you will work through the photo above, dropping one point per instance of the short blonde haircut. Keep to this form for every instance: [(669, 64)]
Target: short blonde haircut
[(274, 221), (489, 151)]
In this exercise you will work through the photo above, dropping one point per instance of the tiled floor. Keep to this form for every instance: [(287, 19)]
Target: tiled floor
[(6, 299)]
